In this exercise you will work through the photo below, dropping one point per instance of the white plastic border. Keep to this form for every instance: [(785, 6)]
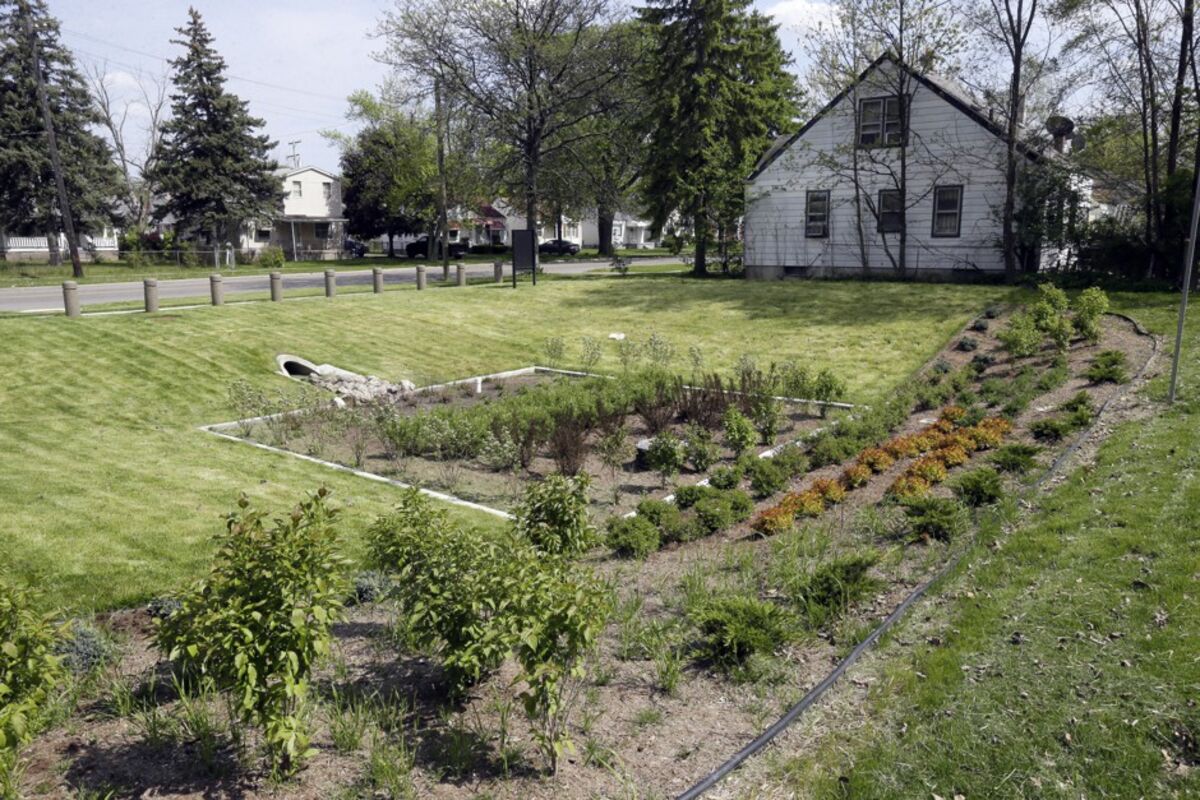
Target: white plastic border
[(220, 428)]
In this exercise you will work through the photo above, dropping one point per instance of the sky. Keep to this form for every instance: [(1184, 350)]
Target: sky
[(294, 61)]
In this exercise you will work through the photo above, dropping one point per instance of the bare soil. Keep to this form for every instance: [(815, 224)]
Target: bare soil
[(632, 739)]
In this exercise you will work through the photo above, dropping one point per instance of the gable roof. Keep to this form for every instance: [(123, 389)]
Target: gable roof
[(944, 89), (297, 170)]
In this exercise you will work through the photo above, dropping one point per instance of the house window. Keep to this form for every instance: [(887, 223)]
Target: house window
[(947, 211), (297, 189), (890, 211), (879, 122), (262, 235), (816, 215), (327, 188), (321, 230)]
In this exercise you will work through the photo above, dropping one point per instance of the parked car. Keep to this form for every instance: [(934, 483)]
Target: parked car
[(355, 248), (558, 247), (420, 248)]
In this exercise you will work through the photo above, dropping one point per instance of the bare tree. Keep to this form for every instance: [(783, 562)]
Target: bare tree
[(135, 155), (530, 68)]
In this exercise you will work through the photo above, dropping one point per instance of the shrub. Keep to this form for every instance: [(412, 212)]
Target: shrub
[(877, 459), (1052, 429), (979, 326), (500, 453), (660, 513), (714, 514), (1079, 402), (952, 414), (1108, 367), (1090, 306), (553, 515), (856, 475), (739, 503), (633, 537), (271, 257), (929, 468), (808, 503), (655, 398), (775, 520), (766, 477), (952, 455), (985, 436), (665, 455), (555, 349), (978, 487), (981, 361), (84, 648), (736, 627), (371, 586), (614, 448), (699, 449), (1015, 458), (831, 491), (907, 487), (967, 344), (1021, 337), (29, 670), (414, 515), (261, 618), (688, 496), (739, 431), (936, 518), (726, 477), (833, 587), (768, 417), (791, 459)]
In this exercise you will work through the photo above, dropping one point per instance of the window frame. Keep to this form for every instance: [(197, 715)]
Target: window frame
[(327, 189), (933, 229), (879, 212), (258, 234), (808, 198), (317, 230), (298, 189), (882, 123)]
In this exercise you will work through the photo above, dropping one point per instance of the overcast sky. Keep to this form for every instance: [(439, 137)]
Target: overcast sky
[(295, 61)]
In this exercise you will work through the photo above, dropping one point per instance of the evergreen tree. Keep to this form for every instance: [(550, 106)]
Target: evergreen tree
[(28, 201), (719, 92), (217, 174)]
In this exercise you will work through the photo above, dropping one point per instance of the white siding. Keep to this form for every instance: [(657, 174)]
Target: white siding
[(946, 146)]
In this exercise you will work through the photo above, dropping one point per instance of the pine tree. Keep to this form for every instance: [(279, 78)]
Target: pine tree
[(217, 174), (719, 92), (28, 202)]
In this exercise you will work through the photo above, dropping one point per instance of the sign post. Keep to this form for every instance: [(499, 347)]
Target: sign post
[(524, 254)]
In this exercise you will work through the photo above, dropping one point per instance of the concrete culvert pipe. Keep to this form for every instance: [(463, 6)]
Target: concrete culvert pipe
[(296, 367)]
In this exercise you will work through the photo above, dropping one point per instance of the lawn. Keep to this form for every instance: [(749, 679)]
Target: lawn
[(109, 493), (1060, 660)]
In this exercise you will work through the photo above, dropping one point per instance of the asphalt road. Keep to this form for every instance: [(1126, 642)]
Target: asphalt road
[(44, 299)]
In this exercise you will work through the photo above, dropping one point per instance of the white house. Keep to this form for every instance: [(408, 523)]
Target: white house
[(629, 232), (826, 200), (312, 225)]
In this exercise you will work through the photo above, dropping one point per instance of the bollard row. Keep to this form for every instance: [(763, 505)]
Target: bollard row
[(71, 303)]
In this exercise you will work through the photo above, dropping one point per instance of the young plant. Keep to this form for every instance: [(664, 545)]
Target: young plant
[(768, 418), (659, 350), (979, 487), (29, 669), (553, 515), (736, 627), (555, 349), (1015, 458), (665, 455), (633, 537), (614, 449), (739, 431), (1090, 306), (766, 476), (261, 618), (1021, 337), (699, 448), (936, 518), (1108, 367), (590, 352)]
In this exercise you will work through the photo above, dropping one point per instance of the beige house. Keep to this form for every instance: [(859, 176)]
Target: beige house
[(312, 225)]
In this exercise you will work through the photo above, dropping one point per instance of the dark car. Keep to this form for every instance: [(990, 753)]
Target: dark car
[(355, 248), (420, 248), (558, 247)]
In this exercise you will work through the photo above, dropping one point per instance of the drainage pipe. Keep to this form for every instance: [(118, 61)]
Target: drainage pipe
[(819, 690)]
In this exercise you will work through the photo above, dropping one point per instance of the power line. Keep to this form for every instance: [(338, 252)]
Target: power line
[(228, 75)]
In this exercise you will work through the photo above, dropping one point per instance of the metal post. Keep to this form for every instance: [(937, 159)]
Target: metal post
[(295, 253), (377, 280), (216, 289), (330, 283), (1189, 258), (460, 274), (498, 271), (420, 278), (276, 286), (71, 298), (150, 290)]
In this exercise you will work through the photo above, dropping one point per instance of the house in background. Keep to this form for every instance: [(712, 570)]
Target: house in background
[(824, 201), (98, 247), (629, 232), (312, 225)]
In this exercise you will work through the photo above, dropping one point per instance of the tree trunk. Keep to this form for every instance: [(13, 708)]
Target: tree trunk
[(52, 248), (531, 200), (1008, 235), (604, 225), (443, 193), (1185, 42), (391, 245)]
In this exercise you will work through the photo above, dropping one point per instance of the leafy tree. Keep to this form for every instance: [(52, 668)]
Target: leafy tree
[(388, 172), (718, 92), (215, 171), (28, 204)]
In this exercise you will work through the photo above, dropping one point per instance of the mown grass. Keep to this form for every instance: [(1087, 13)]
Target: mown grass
[(109, 493), (1067, 665)]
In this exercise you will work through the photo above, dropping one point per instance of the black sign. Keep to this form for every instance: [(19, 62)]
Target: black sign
[(524, 244)]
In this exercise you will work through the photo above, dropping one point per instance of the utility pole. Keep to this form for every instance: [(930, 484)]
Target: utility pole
[(64, 205), (1189, 259)]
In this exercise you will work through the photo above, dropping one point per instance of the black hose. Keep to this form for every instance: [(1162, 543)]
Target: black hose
[(817, 691)]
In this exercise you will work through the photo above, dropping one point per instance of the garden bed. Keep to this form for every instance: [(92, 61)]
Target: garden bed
[(653, 716)]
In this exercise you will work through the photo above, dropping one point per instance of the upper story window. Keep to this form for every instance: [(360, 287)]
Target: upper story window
[(262, 235), (891, 211), (947, 211), (327, 189), (816, 214), (879, 123), (297, 189)]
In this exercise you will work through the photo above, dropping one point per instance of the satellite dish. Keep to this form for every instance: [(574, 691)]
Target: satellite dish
[(1059, 126), (1078, 141)]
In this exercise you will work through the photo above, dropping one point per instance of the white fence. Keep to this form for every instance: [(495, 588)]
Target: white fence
[(41, 244)]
